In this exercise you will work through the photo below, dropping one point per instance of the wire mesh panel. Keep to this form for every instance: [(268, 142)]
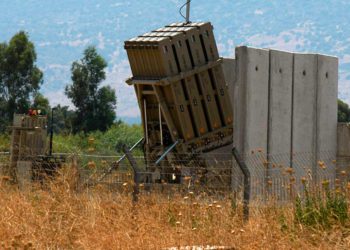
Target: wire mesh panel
[(271, 178), (212, 174), (343, 167), (4, 163)]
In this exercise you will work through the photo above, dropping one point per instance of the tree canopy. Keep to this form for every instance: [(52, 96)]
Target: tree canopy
[(40, 102), (20, 78), (343, 111), (95, 106), (106, 102), (63, 119)]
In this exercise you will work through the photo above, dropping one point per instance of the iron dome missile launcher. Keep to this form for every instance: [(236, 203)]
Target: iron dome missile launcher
[(181, 91)]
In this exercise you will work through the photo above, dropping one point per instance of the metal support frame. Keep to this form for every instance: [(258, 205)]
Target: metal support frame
[(167, 151), (166, 112), (160, 126), (115, 164), (146, 120), (171, 79)]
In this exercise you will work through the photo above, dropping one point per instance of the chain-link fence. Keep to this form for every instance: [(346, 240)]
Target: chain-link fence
[(274, 177), (281, 177), (277, 177)]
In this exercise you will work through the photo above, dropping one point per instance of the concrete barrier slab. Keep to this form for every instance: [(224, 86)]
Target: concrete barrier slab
[(280, 119), (327, 110), (251, 99), (304, 112), (285, 109), (251, 112), (280, 106)]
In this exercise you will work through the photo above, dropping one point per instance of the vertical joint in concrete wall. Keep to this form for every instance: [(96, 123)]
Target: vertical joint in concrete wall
[(292, 117)]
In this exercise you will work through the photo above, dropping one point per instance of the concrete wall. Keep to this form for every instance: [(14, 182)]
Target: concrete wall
[(250, 107), (225, 153), (327, 106), (343, 137), (304, 114), (280, 117), (229, 67), (280, 107), (285, 107), (343, 152), (251, 100), (327, 110), (315, 114)]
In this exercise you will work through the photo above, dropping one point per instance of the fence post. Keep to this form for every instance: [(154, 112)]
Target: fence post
[(246, 174), (116, 164), (135, 169)]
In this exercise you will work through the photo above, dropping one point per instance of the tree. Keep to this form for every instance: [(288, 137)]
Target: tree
[(20, 78), (63, 119), (41, 103), (95, 107), (106, 102), (343, 111)]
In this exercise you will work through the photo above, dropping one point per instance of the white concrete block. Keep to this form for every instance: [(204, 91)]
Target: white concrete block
[(280, 120), (343, 149), (304, 113), (280, 107), (327, 109), (285, 104), (251, 100), (250, 107), (327, 106), (343, 140)]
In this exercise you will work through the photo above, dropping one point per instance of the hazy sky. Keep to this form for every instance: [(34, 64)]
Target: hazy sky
[(62, 29)]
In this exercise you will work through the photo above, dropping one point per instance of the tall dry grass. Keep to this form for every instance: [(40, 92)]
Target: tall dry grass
[(57, 216)]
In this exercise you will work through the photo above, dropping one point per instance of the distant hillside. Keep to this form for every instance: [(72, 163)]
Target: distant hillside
[(62, 29)]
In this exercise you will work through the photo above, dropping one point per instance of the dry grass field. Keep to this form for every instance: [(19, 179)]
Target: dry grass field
[(58, 216)]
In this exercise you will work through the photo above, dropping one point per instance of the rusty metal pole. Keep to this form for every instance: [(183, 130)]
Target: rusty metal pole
[(160, 126), (146, 120), (51, 131), (246, 174), (136, 171)]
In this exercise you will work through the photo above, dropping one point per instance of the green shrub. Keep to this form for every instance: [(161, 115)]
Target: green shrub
[(322, 208), (102, 143), (112, 140), (4, 142)]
